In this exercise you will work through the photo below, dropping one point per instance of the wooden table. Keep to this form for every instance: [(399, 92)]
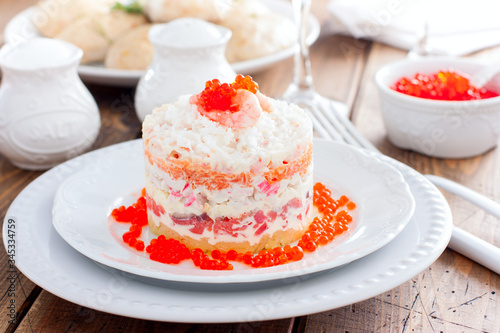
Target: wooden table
[(454, 294)]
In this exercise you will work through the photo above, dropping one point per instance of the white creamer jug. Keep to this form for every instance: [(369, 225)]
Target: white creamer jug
[(47, 115), (188, 52)]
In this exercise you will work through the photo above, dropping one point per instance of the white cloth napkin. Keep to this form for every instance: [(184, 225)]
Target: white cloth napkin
[(455, 27)]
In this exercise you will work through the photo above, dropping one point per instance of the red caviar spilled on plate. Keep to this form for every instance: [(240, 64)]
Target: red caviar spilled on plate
[(135, 214), (444, 85), (334, 220)]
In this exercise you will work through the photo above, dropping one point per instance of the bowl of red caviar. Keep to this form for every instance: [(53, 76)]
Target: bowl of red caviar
[(430, 106)]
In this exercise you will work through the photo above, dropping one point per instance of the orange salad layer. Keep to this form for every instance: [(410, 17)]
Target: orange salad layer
[(199, 174)]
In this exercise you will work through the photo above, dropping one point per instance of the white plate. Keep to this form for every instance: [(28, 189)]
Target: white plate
[(84, 201), (46, 259), (20, 27)]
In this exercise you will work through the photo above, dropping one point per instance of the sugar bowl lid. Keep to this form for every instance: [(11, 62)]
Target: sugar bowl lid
[(188, 32)]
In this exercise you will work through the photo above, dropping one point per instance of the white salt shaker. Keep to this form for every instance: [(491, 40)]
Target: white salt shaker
[(188, 53), (47, 115)]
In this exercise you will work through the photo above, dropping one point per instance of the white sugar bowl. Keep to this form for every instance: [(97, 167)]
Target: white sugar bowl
[(188, 53), (47, 115)]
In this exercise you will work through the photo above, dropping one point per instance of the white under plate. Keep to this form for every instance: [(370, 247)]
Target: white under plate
[(84, 201), (21, 27), (46, 259)]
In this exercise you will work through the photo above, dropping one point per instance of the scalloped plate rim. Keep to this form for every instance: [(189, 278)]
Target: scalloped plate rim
[(54, 266)]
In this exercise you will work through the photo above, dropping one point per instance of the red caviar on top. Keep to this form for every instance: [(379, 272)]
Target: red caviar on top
[(444, 85), (219, 96), (245, 82), (321, 231)]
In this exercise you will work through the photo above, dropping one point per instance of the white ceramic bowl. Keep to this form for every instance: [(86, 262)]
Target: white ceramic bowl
[(446, 129)]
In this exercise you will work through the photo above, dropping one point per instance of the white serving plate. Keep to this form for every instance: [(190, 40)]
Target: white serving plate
[(46, 259), (20, 27), (84, 201)]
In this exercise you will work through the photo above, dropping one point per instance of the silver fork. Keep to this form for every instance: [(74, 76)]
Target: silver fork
[(337, 127), (326, 114)]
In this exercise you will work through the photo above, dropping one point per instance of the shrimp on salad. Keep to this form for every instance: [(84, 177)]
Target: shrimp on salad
[(238, 105), (248, 113)]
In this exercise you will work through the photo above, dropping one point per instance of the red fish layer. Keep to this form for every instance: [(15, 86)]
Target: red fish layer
[(259, 221)]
